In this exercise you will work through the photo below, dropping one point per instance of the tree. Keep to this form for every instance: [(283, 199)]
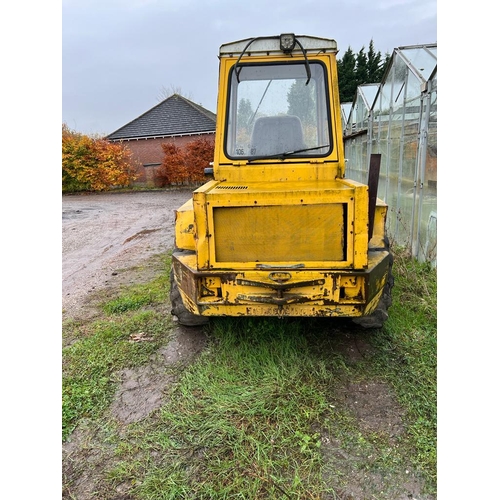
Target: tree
[(185, 165), (300, 101), (347, 76), (245, 112), (165, 93), (172, 169), (199, 154), (376, 66), (360, 68), (94, 163)]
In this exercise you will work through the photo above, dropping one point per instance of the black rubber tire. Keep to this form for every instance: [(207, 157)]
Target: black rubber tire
[(184, 317), (378, 317)]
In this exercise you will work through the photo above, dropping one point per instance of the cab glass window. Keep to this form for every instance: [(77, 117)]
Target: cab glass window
[(272, 112)]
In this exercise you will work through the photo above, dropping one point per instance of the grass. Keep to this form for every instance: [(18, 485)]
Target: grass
[(262, 411), (98, 351), (245, 411), (407, 356), (138, 296)]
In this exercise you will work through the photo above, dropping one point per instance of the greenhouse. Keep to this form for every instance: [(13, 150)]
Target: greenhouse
[(397, 119)]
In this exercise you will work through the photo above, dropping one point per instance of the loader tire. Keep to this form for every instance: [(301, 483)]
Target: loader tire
[(378, 317), (184, 317)]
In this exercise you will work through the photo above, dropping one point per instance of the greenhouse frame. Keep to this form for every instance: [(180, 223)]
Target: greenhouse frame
[(397, 119)]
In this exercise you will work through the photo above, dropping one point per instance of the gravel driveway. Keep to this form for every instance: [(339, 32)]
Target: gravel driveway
[(103, 233)]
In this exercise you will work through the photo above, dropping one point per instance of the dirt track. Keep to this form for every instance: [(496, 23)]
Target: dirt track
[(104, 233)]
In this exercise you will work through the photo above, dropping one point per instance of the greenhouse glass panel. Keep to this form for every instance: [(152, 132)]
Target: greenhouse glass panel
[(398, 87), (410, 151), (351, 123), (423, 61), (393, 166), (412, 99), (365, 97), (376, 128), (358, 113), (361, 114), (381, 129), (346, 109), (383, 108), (427, 228), (369, 93), (427, 236), (405, 207), (430, 178), (349, 157), (356, 159), (433, 83)]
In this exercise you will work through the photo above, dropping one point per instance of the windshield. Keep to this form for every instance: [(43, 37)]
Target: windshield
[(273, 113)]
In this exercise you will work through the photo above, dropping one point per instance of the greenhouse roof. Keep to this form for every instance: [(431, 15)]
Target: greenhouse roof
[(346, 109), (421, 59), (368, 92)]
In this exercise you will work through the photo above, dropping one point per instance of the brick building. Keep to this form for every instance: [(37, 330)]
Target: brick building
[(176, 119)]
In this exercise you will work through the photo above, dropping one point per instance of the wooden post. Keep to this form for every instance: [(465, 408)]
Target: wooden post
[(373, 176)]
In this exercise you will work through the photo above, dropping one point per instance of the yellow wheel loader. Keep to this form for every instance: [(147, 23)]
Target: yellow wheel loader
[(278, 230)]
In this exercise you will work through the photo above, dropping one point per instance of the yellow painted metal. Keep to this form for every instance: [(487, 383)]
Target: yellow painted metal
[(285, 222), (184, 226), (286, 233), (360, 225), (378, 236), (279, 224), (201, 221), (299, 293), (336, 113)]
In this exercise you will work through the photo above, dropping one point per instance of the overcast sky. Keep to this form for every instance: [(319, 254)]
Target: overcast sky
[(119, 56)]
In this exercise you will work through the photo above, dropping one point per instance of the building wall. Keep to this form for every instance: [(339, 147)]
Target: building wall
[(147, 154)]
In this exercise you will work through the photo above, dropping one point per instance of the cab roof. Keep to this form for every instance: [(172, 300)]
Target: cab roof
[(270, 45)]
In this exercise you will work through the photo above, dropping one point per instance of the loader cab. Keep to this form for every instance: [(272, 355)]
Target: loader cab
[(278, 111)]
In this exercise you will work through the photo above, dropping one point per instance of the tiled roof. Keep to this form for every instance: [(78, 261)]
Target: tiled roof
[(174, 116)]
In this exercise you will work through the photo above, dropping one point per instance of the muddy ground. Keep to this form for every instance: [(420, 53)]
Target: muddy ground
[(105, 238), (103, 235)]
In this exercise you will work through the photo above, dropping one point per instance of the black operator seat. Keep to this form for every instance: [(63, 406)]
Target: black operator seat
[(276, 134)]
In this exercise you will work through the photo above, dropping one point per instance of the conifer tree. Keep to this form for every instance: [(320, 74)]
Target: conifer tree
[(374, 64), (300, 101), (347, 76), (362, 67)]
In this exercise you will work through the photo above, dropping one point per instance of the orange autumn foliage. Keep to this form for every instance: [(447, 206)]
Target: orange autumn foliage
[(93, 163), (186, 165)]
